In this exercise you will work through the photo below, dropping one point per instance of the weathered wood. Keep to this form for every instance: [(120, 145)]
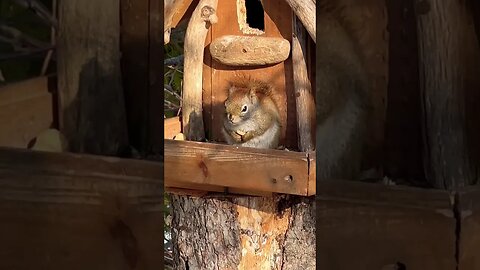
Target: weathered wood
[(173, 126), (74, 211), (305, 10), (26, 109), (202, 18), (377, 225), (173, 12), (227, 166), (305, 101), (249, 50), (449, 54), (468, 213), (92, 109)]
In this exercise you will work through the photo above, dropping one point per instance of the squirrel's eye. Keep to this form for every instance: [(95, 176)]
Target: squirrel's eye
[(244, 108)]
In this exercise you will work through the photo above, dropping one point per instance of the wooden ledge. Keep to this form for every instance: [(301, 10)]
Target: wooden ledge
[(220, 168)]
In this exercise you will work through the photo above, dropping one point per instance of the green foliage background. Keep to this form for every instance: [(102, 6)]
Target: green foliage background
[(27, 22)]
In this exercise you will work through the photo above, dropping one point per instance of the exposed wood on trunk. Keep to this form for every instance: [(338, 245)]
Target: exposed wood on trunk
[(91, 98), (306, 12), (449, 58), (173, 12), (26, 109), (249, 232), (227, 166), (303, 89), (202, 18), (79, 210), (249, 50)]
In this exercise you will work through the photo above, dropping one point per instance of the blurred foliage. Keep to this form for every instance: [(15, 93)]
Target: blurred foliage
[(30, 24), (173, 78)]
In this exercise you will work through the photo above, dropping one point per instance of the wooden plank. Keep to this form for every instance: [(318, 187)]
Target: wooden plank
[(312, 169), (235, 167), (469, 238), (377, 225), (26, 109), (172, 126), (181, 12), (72, 217)]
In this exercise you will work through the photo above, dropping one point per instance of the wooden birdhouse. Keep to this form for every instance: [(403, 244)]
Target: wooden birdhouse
[(262, 40)]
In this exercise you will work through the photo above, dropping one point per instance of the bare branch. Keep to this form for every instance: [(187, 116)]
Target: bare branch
[(25, 53), (40, 10), (16, 36), (174, 61)]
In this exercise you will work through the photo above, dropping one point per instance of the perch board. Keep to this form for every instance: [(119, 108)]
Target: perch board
[(376, 226), (68, 211), (218, 168)]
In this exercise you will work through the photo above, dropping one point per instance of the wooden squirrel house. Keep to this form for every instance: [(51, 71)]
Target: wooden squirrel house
[(263, 40)]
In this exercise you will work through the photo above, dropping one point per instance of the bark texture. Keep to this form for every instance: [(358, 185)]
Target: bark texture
[(243, 232)]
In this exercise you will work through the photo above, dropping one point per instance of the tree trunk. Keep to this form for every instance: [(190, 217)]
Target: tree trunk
[(92, 111), (243, 232), (448, 53)]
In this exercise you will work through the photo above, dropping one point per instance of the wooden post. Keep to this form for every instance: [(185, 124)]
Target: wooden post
[(92, 110), (305, 10), (202, 18), (448, 55), (303, 89)]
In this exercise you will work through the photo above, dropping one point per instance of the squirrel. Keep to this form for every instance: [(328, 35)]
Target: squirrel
[(251, 118), (341, 103)]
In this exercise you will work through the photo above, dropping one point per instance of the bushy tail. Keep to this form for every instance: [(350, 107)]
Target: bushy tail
[(342, 88)]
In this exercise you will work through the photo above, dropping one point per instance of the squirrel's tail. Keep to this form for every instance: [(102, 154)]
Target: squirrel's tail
[(342, 99)]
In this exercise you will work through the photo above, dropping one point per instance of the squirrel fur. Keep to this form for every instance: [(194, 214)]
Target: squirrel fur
[(341, 103), (251, 116)]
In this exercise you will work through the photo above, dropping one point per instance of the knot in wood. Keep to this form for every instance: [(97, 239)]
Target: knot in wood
[(208, 14)]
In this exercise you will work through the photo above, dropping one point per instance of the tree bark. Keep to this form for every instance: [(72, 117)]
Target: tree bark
[(448, 53), (92, 111), (243, 232)]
